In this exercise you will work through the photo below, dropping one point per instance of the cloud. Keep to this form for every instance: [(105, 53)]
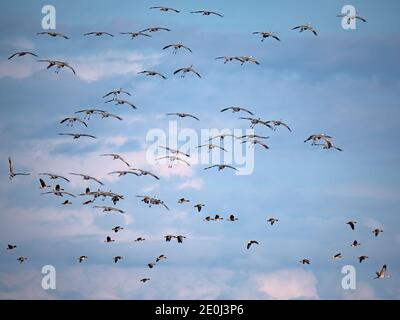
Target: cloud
[(21, 69), (288, 284), (195, 183)]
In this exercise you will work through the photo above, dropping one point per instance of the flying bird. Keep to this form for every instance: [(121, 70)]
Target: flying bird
[(82, 258), (250, 243), (362, 258), (351, 17), (115, 93), (108, 239), (86, 177), (140, 239), (58, 64), (136, 34), (381, 273), (174, 151), (376, 232), (355, 243), (244, 59), (337, 256), (317, 137), (117, 258), (352, 224), (77, 135), (117, 229), (66, 202), (221, 167), (11, 247), (232, 218), (199, 206), (89, 112), (237, 109), (71, 120), (180, 238), (161, 257), (144, 280), (305, 261), (255, 141), (173, 159), (253, 136), (121, 102), (155, 29), (165, 9), (22, 259), (186, 70), (306, 27), (271, 221), (98, 34), (53, 176), (168, 237), (109, 209), (151, 265), (152, 73), (277, 123), (177, 46), (21, 54), (142, 172), (53, 34), (265, 35), (183, 200), (212, 147), (43, 184), (226, 58), (182, 115), (115, 157), (207, 13), (254, 122), (11, 171), (123, 173)]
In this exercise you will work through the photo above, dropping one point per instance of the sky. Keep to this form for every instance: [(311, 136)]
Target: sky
[(343, 83)]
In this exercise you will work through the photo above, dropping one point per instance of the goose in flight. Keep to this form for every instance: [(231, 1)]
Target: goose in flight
[(152, 73), (250, 243), (98, 34), (53, 34), (212, 147), (11, 171), (174, 151), (277, 123), (306, 27), (183, 200), (153, 201), (381, 273), (121, 102), (140, 239), (123, 173), (115, 157), (11, 247), (237, 109), (351, 17), (71, 120), (182, 115), (352, 224), (265, 35), (105, 114), (304, 261), (142, 172), (207, 13), (355, 243), (254, 122), (115, 93), (117, 229), (329, 145), (53, 176), (108, 239), (155, 29), (77, 135), (43, 184), (180, 238), (109, 209), (161, 257), (168, 237), (66, 202), (376, 232), (136, 34), (244, 59), (117, 258), (186, 70), (271, 221), (82, 258), (151, 265), (89, 112), (337, 256), (317, 137), (198, 206), (21, 54), (59, 193), (144, 280), (165, 9), (253, 136), (226, 59), (362, 258), (22, 259), (58, 64), (223, 136), (232, 218), (255, 141), (86, 177), (221, 167), (177, 46), (173, 159)]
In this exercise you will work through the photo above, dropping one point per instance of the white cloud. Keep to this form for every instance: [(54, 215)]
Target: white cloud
[(195, 183), (21, 69)]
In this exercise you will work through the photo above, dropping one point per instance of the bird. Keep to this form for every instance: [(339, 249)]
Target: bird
[(12, 173), (351, 17), (305, 261), (221, 167), (172, 160), (117, 258), (277, 123), (58, 64), (152, 73), (265, 35), (116, 92), (66, 202), (180, 238), (376, 232), (82, 258), (362, 258), (183, 200), (161, 257), (59, 193), (105, 114), (109, 209), (108, 239), (255, 141), (237, 109), (53, 176), (226, 59), (306, 27), (153, 201), (208, 13), (199, 206), (121, 102), (151, 265), (77, 135), (22, 259), (144, 280), (253, 136), (250, 243), (21, 54), (165, 9), (168, 237), (117, 229), (155, 29), (223, 136), (381, 273), (174, 151), (351, 224), (232, 218), (244, 59), (86, 177), (142, 172), (317, 137), (271, 221), (186, 70), (254, 122), (98, 34), (43, 184), (115, 157), (89, 112), (182, 115), (123, 172), (329, 145), (355, 243), (176, 47), (337, 256), (11, 247), (212, 147), (71, 120), (136, 34), (53, 34), (140, 239)]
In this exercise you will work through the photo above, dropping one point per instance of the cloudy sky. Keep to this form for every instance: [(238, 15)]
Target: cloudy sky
[(343, 83)]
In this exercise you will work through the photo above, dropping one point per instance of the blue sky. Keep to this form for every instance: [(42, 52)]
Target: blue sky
[(343, 82)]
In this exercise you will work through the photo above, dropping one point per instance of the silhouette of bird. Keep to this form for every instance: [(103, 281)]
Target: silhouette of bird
[(265, 35), (58, 64), (22, 259), (77, 135), (108, 239), (362, 258), (152, 73), (71, 120), (86, 177), (53, 34), (161, 257), (144, 280), (182, 115), (117, 258), (250, 243), (115, 157), (199, 206), (376, 232), (11, 247), (176, 47), (165, 9), (306, 27), (12, 173), (21, 54), (232, 218), (337, 256), (140, 239), (305, 261), (271, 221), (221, 167), (98, 34), (237, 109), (186, 70), (117, 229), (207, 13), (381, 273), (351, 224), (355, 243), (82, 258)]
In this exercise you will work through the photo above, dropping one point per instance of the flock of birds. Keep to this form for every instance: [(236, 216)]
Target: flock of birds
[(174, 155)]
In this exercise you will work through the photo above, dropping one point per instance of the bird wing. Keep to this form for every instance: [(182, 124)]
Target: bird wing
[(215, 165), (225, 109), (286, 126), (249, 112), (179, 159), (87, 135), (68, 66), (296, 27), (81, 121), (162, 76), (179, 70), (166, 47), (13, 55), (217, 14), (360, 18), (196, 73), (153, 175), (109, 34), (315, 32), (227, 166), (187, 48), (276, 38), (94, 179), (10, 167), (89, 33), (192, 116)]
